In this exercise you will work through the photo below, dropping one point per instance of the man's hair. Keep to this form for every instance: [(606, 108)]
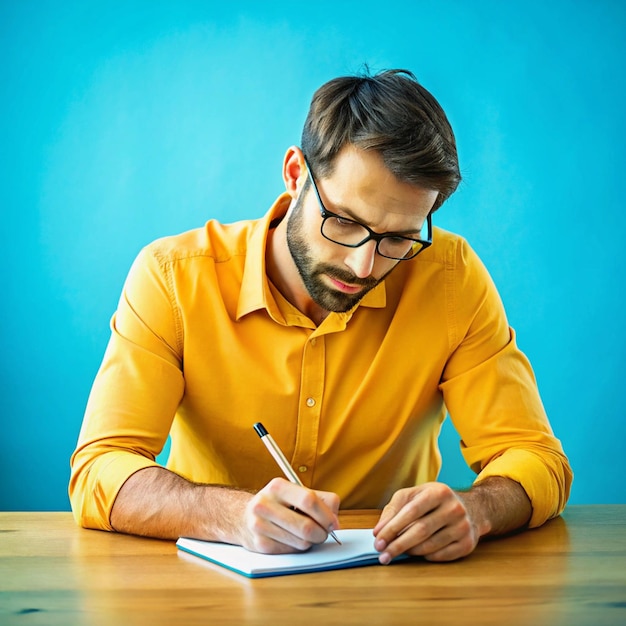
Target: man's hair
[(392, 114)]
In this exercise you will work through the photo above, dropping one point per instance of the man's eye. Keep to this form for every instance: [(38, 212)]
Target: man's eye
[(344, 222)]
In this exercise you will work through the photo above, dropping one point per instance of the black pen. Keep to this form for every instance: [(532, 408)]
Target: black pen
[(282, 462)]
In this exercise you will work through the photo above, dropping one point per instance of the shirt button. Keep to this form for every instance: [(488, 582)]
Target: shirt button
[(302, 469), (313, 341), (310, 402)]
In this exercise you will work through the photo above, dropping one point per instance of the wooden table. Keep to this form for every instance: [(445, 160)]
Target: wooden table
[(571, 571)]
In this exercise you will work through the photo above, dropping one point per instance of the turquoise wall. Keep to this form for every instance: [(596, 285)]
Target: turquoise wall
[(124, 121)]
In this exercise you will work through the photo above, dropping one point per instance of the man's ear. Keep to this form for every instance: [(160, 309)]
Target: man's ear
[(294, 171)]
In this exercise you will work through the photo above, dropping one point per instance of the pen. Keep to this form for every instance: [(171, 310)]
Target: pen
[(279, 457)]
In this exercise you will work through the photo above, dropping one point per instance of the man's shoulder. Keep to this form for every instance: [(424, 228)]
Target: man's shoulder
[(215, 241), (449, 260), (448, 249)]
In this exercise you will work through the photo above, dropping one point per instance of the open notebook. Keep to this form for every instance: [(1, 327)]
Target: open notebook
[(356, 549)]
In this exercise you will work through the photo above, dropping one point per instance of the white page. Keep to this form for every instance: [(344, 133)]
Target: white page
[(357, 546)]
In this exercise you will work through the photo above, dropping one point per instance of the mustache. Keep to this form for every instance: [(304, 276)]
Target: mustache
[(346, 277)]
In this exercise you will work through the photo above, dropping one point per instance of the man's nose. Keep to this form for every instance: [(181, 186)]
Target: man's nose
[(361, 260)]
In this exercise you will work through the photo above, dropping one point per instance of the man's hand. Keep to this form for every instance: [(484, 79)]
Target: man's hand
[(430, 521), (435, 522), (284, 517)]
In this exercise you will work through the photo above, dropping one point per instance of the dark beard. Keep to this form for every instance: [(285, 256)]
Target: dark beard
[(311, 272)]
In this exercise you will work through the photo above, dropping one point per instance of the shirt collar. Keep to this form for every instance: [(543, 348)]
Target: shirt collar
[(255, 291)]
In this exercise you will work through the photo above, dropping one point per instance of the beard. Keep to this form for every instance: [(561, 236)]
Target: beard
[(311, 271)]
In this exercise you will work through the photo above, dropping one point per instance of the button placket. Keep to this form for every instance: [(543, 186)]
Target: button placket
[(310, 405)]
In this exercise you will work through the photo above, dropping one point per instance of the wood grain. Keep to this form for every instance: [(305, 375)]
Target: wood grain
[(572, 571)]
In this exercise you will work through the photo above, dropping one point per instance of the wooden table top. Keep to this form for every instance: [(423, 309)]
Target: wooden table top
[(571, 571)]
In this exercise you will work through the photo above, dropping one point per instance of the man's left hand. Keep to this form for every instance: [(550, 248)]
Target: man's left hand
[(430, 520)]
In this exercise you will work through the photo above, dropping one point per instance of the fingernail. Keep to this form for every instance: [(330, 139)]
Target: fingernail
[(384, 558), (380, 544)]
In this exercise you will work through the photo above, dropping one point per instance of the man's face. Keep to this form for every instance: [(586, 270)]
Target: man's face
[(360, 188), (317, 274)]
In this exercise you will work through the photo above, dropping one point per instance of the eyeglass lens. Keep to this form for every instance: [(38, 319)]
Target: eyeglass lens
[(349, 233)]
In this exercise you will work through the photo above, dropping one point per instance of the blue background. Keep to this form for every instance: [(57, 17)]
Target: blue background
[(124, 121)]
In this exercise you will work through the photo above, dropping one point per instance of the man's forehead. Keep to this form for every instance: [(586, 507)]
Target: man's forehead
[(363, 188)]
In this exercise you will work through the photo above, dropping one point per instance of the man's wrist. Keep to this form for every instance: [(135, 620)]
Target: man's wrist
[(474, 502), (497, 505)]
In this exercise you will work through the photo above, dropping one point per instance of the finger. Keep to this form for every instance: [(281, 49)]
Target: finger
[(444, 534), (414, 511), (452, 550), (331, 500), (311, 504), (274, 528), (276, 540), (313, 520), (420, 543), (425, 535), (388, 513), (400, 499)]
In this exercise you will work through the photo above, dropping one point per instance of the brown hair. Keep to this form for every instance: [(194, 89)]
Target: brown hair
[(391, 113)]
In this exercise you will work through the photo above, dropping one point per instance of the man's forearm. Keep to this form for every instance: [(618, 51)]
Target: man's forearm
[(498, 506), (155, 502)]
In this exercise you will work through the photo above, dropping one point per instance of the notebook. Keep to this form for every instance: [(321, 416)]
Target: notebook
[(356, 550)]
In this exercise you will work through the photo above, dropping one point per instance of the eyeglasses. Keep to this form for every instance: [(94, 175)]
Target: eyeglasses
[(352, 234)]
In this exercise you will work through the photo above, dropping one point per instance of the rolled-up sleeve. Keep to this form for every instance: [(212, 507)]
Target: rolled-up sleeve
[(492, 397), (134, 396)]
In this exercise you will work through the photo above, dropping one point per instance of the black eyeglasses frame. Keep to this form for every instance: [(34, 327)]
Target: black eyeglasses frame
[(377, 237)]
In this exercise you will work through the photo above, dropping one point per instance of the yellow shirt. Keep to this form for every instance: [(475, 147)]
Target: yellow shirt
[(204, 346)]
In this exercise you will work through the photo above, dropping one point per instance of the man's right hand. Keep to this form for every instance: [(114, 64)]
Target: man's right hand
[(284, 517)]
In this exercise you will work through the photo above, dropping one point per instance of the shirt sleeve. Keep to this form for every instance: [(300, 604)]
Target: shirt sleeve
[(134, 396), (492, 397)]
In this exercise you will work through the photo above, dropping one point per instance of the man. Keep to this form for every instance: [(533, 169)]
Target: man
[(347, 324)]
